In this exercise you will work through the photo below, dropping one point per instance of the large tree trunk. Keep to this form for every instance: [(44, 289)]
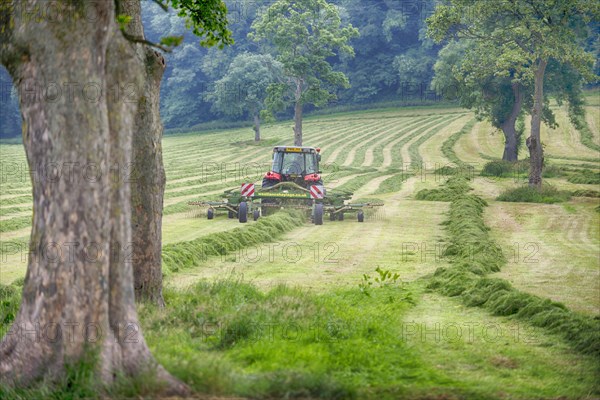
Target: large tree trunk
[(78, 294), (256, 127), (298, 114), (147, 173), (534, 144), (511, 151)]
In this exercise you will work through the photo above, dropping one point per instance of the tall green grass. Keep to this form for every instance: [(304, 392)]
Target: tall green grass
[(547, 194)]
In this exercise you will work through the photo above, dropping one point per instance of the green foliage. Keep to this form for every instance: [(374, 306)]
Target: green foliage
[(207, 19), (547, 194), (384, 278), (304, 34), (243, 89)]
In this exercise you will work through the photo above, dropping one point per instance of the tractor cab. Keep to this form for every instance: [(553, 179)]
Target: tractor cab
[(294, 164)]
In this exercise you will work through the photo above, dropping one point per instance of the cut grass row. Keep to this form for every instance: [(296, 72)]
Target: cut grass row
[(474, 254)]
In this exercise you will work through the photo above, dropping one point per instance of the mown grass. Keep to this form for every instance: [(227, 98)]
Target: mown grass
[(393, 183), (586, 176), (228, 338), (586, 135), (13, 224), (188, 254), (475, 254), (454, 187), (547, 194), (448, 145)]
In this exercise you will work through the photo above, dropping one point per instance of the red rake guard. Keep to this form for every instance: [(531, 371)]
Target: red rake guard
[(317, 191), (248, 189)]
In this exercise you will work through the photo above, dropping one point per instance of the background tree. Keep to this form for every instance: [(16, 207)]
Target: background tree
[(527, 34), (304, 35), (243, 89)]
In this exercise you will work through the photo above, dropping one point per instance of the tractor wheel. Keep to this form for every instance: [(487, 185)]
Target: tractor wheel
[(318, 215), (332, 216), (256, 215), (341, 216), (210, 214), (360, 216), (230, 214), (243, 212)]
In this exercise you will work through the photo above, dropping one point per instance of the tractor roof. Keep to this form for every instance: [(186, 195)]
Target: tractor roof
[(295, 149)]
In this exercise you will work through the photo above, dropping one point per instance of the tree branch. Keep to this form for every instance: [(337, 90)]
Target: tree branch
[(136, 39)]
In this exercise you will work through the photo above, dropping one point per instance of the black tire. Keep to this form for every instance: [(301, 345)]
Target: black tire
[(230, 214), (341, 216), (243, 212), (360, 216), (318, 214), (332, 216), (210, 214), (256, 215)]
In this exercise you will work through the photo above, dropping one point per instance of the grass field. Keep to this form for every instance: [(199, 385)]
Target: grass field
[(303, 316)]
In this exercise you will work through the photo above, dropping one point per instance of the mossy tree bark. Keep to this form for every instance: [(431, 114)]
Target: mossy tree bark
[(148, 174), (78, 296)]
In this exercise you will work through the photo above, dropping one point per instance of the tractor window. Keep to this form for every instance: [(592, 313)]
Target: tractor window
[(311, 163), (277, 160), (293, 164)]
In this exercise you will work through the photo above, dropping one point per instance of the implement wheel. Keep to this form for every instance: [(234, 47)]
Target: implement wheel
[(256, 215), (332, 216), (341, 216), (360, 216), (243, 212), (230, 214), (210, 214), (318, 215)]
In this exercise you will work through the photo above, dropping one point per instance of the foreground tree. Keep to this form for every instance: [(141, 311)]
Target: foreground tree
[(79, 101), (243, 89), (527, 35), (304, 34)]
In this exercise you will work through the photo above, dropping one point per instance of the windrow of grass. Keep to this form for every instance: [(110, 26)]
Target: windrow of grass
[(188, 254), (14, 224), (393, 183), (448, 145), (586, 135), (474, 254)]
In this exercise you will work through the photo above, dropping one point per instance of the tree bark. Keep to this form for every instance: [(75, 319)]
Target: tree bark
[(78, 297), (298, 114), (256, 127), (511, 151), (534, 144), (147, 172)]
